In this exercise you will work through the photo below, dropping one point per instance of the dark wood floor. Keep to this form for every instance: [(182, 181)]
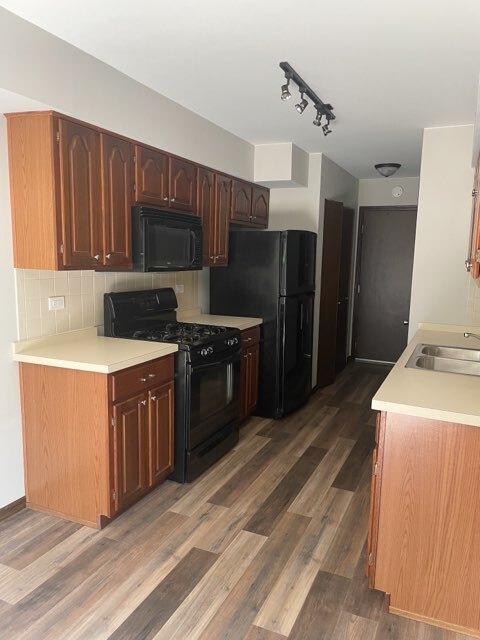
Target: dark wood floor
[(269, 544)]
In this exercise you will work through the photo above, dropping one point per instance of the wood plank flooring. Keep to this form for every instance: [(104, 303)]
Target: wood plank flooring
[(269, 544)]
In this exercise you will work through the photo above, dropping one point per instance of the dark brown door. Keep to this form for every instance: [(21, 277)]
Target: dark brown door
[(329, 292), (80, 195), (223, 196), (244, 387), (183, 185), (252, 377), (241, 201), (260, 202), (343, 302), (151, 176), (384, 279), (117, 200), (160, 432), (206, 210), (130, 450)]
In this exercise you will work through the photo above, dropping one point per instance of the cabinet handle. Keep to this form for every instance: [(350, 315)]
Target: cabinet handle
[(108, 256), (153, 398), (97, 257), (173, 200), (143, 379), (165, 198), (144, 402), (152, 375)]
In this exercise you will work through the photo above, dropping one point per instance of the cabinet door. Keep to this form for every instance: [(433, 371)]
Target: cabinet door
[(206, 210), (475, 239), (130, 450), (244, 387), (160, 432), (241, 201), (117, 200), (252, 378), (151, 176), (375, 498), (260, 202), (183, 185), (80, 195), (223, 197)]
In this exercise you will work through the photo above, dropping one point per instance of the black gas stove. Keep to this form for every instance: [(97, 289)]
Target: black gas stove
[(207, 373)]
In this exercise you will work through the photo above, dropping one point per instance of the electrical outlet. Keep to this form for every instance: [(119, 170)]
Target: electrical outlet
[(56, 302), (179, 288)]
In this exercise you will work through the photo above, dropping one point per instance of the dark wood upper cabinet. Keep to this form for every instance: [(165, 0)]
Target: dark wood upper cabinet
[(80, 202), (151, 176), (260, 204), (223, 199), (206, 210), (241, 201), (160, 427), (130, 451), (117, 200), (183, 185)]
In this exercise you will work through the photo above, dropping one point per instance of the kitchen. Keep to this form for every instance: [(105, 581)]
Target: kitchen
[(261, 530)]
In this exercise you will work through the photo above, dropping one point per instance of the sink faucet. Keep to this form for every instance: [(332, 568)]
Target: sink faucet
[(471, 335)]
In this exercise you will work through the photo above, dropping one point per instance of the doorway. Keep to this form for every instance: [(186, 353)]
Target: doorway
[(386, 242), (334, 291)]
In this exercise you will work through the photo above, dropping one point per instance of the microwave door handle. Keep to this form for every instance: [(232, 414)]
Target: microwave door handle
[(193, 248)]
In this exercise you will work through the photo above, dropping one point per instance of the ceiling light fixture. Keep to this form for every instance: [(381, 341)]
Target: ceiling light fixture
[(387, 169), (286, 95), (323, 109), (303, 104)]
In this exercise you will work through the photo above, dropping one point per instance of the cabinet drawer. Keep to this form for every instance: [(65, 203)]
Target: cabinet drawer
[(250, 337), (145, 376)]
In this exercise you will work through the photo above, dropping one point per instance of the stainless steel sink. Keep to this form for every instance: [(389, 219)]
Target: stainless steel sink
[(457, 353), (433, 357)]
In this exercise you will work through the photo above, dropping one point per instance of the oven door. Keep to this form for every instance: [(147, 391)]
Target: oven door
[(171, 245), (214, 398)]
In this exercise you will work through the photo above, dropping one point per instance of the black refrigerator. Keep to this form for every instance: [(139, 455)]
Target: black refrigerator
[(271, 275)]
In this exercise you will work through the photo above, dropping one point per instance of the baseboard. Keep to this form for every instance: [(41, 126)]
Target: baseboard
[(12, 508), (434, 622)]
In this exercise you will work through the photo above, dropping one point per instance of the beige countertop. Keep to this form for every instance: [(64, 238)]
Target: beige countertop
[(222, 321), (86, 351), (432, 394)]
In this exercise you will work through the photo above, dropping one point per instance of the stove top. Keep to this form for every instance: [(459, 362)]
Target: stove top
[(185, 333)]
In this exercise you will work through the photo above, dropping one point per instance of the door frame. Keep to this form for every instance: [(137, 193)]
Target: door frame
[(361, 217)]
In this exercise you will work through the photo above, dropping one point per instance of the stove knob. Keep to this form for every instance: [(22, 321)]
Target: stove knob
[(203, 352), (210, 349)]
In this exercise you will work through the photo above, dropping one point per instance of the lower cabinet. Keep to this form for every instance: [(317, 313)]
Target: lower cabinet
[(249, 371), (94, 443)]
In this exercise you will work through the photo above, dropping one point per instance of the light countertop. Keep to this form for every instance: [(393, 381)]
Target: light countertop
[(432, 394), (221, 321), (86, 351)]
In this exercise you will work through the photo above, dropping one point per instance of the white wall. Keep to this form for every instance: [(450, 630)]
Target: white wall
[(41, 67), (377, 192), (440, 282)]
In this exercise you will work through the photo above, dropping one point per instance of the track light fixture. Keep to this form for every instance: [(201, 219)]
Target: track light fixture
[(323, 109), (303, 104), (286, 95)]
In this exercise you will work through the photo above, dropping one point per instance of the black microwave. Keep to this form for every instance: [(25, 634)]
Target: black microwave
[(165, 241)]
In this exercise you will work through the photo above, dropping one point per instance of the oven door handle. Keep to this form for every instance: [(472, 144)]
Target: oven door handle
[(207, 365)]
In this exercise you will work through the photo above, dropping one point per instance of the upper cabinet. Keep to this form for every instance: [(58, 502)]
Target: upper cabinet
[(73, 186), (241, 201), (475, 226)]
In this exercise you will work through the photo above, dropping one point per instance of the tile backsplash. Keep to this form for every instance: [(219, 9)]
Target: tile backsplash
[(83, 292)]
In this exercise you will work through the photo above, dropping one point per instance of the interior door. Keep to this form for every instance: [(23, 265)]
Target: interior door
[(384, 279), (343, 302), (117, 200), (80, 195), (296, 313), (329, 292), (298, 262)]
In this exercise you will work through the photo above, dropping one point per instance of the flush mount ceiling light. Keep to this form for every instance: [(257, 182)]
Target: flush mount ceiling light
[(387, 169), (323, 109)]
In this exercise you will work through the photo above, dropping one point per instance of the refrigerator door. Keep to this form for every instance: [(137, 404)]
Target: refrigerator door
[(296, 318), (297, 269)]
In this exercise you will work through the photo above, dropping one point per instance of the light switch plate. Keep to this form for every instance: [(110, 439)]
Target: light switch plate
[(56, 302), (179, 288)]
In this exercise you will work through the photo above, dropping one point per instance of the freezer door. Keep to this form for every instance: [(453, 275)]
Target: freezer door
[(297, 270), (296, 316)]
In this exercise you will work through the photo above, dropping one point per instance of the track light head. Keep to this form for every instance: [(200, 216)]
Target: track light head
[(302, 105), (326, 128), (286, 95), (318, 119)]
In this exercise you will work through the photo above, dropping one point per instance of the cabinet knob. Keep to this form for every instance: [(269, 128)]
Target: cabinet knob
[(152, 375), (144, 402), (153, 398), (143, 379), (250, 218), (165, 198), (97, 257), (173, 200), (108, 256)]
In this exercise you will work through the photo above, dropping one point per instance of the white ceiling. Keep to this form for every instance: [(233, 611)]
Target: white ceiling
[(389, 69)]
